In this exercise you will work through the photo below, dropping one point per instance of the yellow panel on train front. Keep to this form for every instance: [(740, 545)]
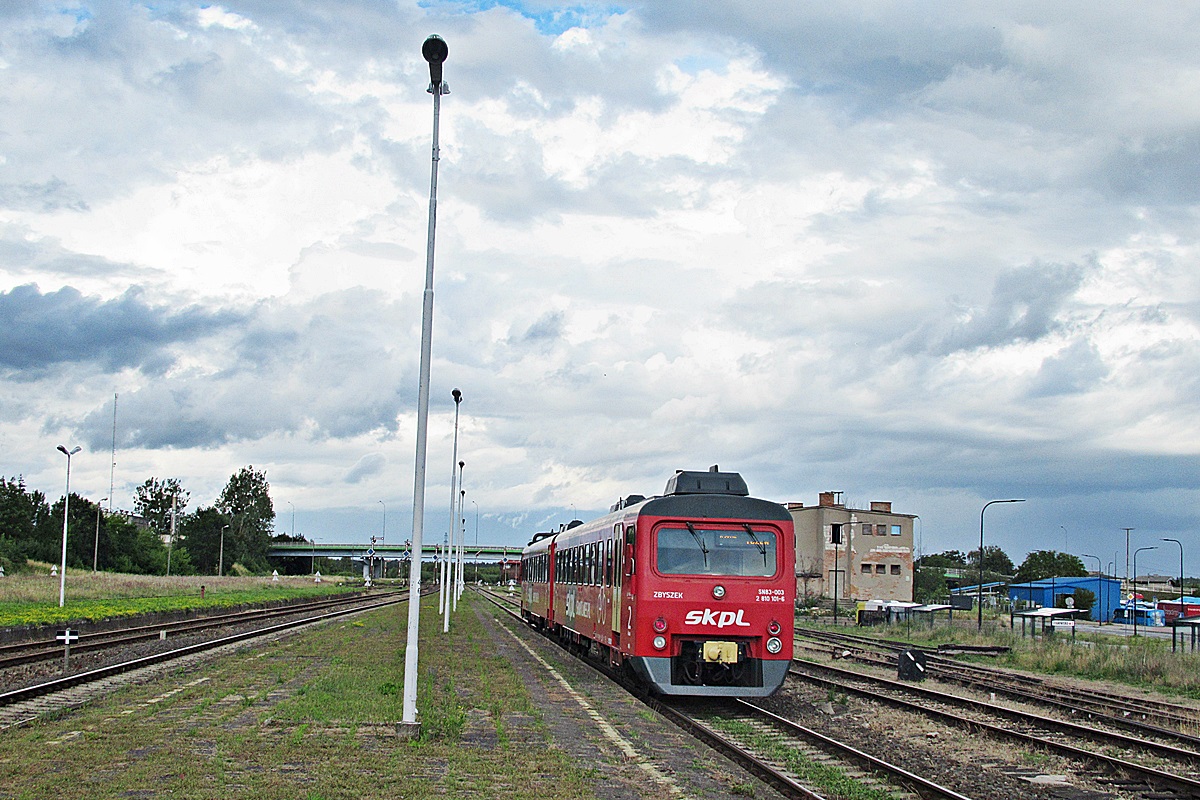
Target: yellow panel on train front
[(721, 652)]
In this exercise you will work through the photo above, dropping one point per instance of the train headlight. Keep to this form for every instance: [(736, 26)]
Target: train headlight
[(660, 625), (773, 628), (660, 643), (718, 591), (774, 645)]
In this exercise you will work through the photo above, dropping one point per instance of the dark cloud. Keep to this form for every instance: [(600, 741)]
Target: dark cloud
[(38, 331), (368, 466), (1156, 169), (325, 368), (1025, 306), (23, 253), (1076, 370), (48, 196)]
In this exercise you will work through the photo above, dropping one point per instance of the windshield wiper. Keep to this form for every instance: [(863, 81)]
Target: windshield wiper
[(762, 546), (699, 541)]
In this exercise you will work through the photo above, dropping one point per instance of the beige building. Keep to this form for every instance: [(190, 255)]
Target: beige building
[(873, 561)]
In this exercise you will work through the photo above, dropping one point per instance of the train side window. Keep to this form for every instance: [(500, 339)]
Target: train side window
[(618, 552), (630, 549)]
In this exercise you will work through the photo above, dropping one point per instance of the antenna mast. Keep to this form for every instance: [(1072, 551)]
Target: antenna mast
[(113, 470)]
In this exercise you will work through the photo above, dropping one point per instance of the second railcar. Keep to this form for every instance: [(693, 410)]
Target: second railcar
[(692, 591)]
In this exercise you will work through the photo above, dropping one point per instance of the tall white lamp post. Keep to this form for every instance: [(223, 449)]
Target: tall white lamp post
[(434, 51), (62, 572), (462, 536), (443, 591)]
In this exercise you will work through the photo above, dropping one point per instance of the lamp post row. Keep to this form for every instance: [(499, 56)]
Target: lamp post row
[(435, 52)]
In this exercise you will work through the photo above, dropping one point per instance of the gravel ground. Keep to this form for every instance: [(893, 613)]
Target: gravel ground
[(975, 765)]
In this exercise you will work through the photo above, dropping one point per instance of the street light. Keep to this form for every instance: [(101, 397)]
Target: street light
[(1099, 569), (1176, 541), (476, 522), (62, 575), (443, 597), (1127, 530), (435, 51), (462, 538), (1133, 599), (980, 589), (96, 546)]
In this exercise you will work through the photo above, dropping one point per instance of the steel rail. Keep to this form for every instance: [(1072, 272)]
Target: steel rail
[(1158, 776), (1113, 708), (33, 651), (49, 687), (774, 777)]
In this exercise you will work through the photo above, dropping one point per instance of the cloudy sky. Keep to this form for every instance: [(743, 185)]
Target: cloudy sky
[(932, 253)]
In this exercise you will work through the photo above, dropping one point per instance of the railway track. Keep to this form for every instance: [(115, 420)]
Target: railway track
[(28, 652), (782, 753), (1119, 762), (22, 705), (1144, 716)]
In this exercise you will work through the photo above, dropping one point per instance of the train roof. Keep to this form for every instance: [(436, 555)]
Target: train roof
[(711, 494)]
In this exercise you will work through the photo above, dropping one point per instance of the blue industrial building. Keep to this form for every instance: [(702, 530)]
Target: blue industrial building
[(1052, 592)]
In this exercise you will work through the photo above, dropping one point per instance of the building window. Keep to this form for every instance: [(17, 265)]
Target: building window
[(881, 569), (866, 569), (866, 529), (895, 569), (895, 530)]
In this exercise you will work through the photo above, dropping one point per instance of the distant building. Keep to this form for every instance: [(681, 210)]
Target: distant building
[(1053, 593), (872, 561)]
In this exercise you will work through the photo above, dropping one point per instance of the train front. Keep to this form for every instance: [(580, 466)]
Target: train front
[(715, 589)]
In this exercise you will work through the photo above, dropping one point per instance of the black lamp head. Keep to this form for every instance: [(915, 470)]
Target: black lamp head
[(457, 395), (435, 51)]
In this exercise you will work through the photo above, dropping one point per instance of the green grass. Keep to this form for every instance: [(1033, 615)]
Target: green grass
[(309, 716), (32, 598)]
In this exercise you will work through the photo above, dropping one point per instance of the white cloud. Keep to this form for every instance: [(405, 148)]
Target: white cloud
[(952, 260)]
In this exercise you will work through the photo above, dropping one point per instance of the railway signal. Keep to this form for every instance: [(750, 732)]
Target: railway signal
[(66, 637)]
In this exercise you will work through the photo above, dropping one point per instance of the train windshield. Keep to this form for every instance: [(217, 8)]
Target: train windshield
[(692, 550)]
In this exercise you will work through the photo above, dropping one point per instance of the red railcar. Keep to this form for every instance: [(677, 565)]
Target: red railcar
[(692, 592)]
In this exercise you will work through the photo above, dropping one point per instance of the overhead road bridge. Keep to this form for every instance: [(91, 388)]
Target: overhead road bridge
[(364, 550)]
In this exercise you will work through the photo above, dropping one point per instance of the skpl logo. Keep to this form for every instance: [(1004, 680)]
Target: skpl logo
[(721, 619)]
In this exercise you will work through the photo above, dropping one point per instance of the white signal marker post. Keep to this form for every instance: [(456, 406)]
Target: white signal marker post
[(435, 51), (66, 637)]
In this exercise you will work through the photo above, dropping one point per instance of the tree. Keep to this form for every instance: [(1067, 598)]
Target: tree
[(1084, 599), (152, 502), (246, 501), (995, 560), (201, 534), (950, 559), (1050, 564), (21, 512), (930, 584), (133, 548)]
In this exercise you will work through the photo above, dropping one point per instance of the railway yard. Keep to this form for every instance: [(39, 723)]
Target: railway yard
[(303, 704)]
